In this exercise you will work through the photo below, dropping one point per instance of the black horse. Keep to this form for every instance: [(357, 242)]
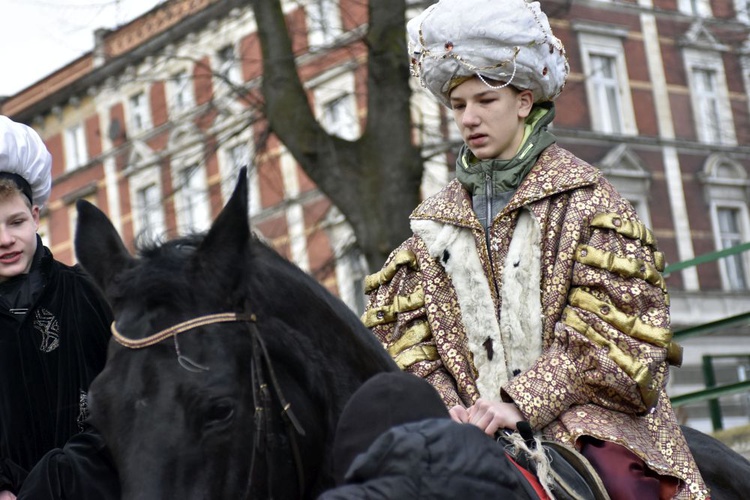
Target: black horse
[(726, 472), (243, 401), (249, 364)]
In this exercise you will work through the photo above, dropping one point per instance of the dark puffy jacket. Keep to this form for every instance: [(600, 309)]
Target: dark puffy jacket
[(432, 459)]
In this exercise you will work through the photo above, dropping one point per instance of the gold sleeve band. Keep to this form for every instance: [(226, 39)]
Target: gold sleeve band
[(385, 275), (627, 228), (632, 367), (387, 313), (674, 354), (626, 267), (415, 355), (659, 261), (629, 325), (411, 337)]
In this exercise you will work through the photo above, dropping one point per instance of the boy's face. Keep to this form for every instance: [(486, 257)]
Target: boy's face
[(491, 121), (18, 226)]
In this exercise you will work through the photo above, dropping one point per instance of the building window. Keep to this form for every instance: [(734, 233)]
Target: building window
[(730, 235), (149, 215), (182, 92), (335, 103), (726, 184), (355, 265), (339, 117), (710, 97), (696, 8), (707, 100), (351, 266), (640, 204), (237, 155), (709, 93), (607, 83), (139, 112), (193, 211), (742, 10), (629, 175), (606, 91), (324, 22), (229, 67), (76, 154)]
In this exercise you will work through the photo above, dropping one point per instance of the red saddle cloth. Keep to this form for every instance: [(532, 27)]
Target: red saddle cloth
[(532, 480), (624, 474)]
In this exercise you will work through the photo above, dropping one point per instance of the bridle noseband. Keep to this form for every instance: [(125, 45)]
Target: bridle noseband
[(262, 397)]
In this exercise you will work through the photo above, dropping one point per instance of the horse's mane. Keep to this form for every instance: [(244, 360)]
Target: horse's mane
[(166, 270), (163, 273)]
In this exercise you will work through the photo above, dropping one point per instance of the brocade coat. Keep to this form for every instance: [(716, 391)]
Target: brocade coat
[(569, 319)]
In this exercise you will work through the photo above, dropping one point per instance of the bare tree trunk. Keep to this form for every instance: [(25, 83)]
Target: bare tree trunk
[(374, 181)]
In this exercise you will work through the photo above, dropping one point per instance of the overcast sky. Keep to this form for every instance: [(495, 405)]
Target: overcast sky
[(38, 37)]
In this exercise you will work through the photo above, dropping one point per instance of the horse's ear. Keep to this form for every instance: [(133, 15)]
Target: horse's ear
[(224, 245), (98, 247)]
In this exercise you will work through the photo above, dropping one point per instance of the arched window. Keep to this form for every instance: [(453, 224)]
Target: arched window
[(726, 188)]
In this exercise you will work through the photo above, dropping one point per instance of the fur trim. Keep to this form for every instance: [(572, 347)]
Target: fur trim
[(521, 316), (456, 250), (517, 339)]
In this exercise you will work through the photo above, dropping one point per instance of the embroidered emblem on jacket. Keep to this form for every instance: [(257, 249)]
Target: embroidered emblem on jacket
[(46, 323)]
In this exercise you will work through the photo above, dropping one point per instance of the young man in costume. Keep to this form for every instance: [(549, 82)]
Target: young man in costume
[(54, 323), (530, 290)]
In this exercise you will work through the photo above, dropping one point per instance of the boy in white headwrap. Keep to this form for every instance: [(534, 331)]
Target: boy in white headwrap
[(530, 290), (54, 323)]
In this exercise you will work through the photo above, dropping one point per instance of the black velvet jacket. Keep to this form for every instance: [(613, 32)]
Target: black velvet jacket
[(47, 361)]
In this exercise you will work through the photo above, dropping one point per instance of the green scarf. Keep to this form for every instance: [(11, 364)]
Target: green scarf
[(508, 174)]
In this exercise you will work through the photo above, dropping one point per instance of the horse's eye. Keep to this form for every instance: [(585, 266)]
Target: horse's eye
[(219, 413)]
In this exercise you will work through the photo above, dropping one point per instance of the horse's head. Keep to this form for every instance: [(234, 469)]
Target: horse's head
[(195, 409)]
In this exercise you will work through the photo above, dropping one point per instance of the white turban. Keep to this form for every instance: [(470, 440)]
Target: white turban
[(22, 152), (504, 40)]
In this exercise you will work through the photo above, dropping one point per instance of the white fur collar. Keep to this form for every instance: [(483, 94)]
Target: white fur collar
[(517, 338)]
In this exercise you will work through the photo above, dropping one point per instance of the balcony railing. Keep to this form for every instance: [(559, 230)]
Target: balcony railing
[(713, 390)]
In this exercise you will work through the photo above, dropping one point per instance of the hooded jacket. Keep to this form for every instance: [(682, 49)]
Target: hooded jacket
[(432, 459)]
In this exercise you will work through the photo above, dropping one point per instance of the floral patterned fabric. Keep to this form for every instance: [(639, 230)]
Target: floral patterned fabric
[(605, 341)]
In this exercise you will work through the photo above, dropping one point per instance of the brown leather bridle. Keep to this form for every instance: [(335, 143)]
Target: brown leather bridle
[(262, 396)]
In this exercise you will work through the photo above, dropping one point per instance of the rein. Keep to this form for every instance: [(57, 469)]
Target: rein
[(261, 393)]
